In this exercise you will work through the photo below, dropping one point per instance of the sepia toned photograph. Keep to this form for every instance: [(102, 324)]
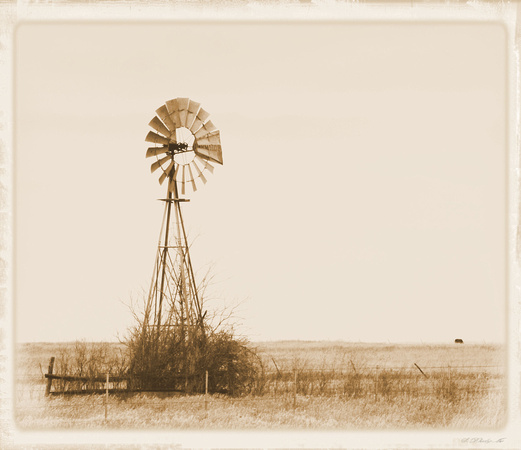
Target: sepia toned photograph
[(263, 226)]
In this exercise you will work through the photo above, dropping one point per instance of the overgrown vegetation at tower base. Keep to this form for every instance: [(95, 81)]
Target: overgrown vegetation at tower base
[(178, 354), (173, 362)]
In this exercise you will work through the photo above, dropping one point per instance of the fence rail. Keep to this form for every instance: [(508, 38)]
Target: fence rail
[(86, 379)]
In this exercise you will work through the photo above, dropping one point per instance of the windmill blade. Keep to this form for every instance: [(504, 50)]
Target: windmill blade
[(210, 139), (205, 163), (172, 106), (166, 172), (206, 129), (183, 181), (162, 112), (199, 173), (183, 109), (162, 178), (173, 111), (193, 107), (156, 138), (176, 171), (192, 179), (212, 152), (202, 116), (157, 125), (159, 163), (154, 151)]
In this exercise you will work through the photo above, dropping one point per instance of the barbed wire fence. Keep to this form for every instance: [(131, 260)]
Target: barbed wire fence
[(291, 387)]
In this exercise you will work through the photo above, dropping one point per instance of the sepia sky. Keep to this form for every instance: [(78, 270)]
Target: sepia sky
[(362, 195)]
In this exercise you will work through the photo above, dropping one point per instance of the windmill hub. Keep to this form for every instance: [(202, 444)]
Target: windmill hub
[(182, 150), (178, 147)]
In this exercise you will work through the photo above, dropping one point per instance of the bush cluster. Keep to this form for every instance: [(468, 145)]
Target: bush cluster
[(178, 360)]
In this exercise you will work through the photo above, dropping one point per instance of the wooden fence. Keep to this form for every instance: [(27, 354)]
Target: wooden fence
[(103, 384), (98, 384), (348, 381)]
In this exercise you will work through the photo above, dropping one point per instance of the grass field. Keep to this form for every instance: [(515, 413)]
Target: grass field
[(339, 386)]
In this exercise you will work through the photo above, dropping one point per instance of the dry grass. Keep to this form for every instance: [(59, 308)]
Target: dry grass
[(337, 388)]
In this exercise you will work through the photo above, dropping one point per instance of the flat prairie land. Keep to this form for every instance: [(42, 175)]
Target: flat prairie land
[(332, 353), (303, 385)]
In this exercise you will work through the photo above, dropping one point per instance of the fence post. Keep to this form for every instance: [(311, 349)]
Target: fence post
[(423, 373), (295, 391), (49, 380), (106, 396), (376, 384), (450, 384), (206, 394)]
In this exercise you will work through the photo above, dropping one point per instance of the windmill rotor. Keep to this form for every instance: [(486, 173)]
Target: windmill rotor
[(187, 143)]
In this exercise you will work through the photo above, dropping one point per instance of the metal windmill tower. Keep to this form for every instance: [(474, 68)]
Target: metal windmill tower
[(187, 144)]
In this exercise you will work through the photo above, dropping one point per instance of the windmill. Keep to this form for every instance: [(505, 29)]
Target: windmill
[(187, 145)]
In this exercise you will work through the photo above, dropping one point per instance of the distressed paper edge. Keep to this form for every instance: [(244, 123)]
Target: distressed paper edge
[(14, 13)]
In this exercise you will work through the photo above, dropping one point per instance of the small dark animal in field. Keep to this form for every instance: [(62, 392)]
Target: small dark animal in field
[(458, 341)]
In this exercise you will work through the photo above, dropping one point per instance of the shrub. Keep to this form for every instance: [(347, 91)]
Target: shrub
[(177, 357)]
